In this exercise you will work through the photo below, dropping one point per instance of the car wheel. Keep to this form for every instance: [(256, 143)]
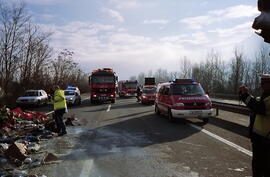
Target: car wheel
[(170, 116), (113, 101), (205, 120), (39, 103), (157, 110), (92, 101)]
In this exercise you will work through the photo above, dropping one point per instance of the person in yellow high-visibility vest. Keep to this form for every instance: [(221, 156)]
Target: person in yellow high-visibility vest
[(60, 108), (259, 127)]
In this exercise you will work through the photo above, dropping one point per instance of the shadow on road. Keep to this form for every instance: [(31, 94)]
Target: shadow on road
[(140, 131), (231, 126)]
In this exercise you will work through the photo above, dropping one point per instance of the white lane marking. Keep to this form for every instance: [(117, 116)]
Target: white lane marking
[(86, 99), (87, 167), (109, 108), (239, 148), (49, 112)]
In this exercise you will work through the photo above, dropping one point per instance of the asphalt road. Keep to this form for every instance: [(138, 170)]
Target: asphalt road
[(127, 139)]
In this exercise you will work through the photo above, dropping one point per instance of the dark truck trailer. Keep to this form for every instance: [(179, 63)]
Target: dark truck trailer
[(149, 81), (102, 84)]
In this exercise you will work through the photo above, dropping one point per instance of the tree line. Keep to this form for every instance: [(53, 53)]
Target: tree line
[(216, 76), (26, 59)]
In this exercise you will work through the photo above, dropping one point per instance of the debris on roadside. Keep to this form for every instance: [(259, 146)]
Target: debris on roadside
[(72, 121), (49, 157), (17, 151), (21, 135)]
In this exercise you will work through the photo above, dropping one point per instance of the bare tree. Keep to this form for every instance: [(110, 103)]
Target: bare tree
[(132, 78), (185, 68), (13, 19), (140, 78), (35, 54), (237, 71)]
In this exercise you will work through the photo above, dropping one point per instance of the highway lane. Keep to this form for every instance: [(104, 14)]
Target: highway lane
[(129, 139)]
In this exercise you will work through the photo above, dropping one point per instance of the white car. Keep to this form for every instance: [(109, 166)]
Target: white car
[(33, 97), (72, 97)]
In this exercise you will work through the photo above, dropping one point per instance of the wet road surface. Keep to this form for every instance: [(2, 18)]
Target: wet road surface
[(127, 139)]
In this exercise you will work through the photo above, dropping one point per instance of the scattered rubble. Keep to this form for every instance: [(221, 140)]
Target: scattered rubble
[(17, 151), (20, 135), (49, 157)]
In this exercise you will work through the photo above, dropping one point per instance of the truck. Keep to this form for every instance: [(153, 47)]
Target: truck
[(149, 81), (127, 88), (102, 83), (148, 90)]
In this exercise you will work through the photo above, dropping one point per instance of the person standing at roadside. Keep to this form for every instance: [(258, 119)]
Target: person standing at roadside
[(138, 93), (259, 127), (60, 108)]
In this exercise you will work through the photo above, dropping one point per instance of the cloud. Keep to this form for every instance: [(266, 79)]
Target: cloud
[(234, 12), (114, 14), (239, 11), (120, 4), (198, 22), (44, 2), (237, 30), (97, 46), (156, 21)]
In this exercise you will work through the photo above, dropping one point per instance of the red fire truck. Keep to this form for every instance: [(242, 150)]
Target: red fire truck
[(127, 88), (148, 90), (102, 85)]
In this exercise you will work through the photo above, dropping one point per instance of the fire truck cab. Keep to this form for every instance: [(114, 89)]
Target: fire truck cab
[(148, 94), (127, 88), (183, 98), (102, 84)]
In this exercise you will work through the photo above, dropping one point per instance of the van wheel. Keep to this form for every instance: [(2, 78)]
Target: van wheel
[(157, 110), (205, 120), (170, 116)]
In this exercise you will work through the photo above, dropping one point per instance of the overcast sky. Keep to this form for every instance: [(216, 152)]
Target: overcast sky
[(133, 36)]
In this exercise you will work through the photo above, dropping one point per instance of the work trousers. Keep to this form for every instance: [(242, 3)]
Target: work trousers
[(58, 117), (261, 156)]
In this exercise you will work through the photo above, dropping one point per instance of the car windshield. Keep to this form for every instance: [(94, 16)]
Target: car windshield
[(69, 93), (31, 93), (187, 89), (103, 79), (149, 90), (131, 85)]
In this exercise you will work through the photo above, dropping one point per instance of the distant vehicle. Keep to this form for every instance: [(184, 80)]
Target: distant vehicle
[(33, 97), (148, 94), (149, 81), (72, 97), (127, 88), (102, 84), (74, 88), (183, 98)]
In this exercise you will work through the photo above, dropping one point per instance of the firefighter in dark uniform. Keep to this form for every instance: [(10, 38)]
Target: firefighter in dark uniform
[(139, 92), (259, 127)]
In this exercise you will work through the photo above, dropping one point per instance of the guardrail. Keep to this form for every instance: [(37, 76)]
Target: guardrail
[(231, 107)]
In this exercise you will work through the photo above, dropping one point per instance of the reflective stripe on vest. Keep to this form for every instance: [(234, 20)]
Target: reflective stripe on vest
[(262, 122), (59, 100)]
